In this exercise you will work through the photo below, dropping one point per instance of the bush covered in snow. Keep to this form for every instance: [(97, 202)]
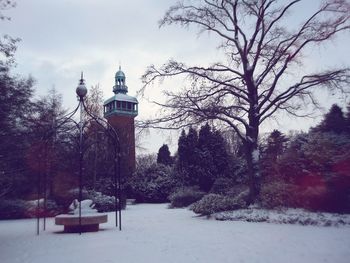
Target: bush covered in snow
[(183, 197), (213, 203), (104, 203), (153, 183), (52, 209), (285, 216), (13, 209), (278, 194), (17, 208), (222, 185)]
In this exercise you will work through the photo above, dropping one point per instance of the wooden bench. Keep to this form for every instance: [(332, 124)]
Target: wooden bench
[(89, 222)]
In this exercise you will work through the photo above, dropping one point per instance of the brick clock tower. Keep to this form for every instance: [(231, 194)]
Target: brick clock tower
[(120, 111)]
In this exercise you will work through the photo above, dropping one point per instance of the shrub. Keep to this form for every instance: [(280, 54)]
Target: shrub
[(314, 198), (221, 186), (278, 194), (185, 196), (153, 184), (13, 209), (52, 209), (213, 203), (65, 199), (17, 208), (103, 203)]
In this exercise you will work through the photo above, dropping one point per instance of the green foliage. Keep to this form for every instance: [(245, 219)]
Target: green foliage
[(347, 119), (213, 203), (12, 209), (103, 202), (15, 107), (278, 194), (202, 158), (18, 208), (184, 197), (153, 183), (222, 185), (313, 173)]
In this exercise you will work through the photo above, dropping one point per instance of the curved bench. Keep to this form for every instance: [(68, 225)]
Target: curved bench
[(89, 222)]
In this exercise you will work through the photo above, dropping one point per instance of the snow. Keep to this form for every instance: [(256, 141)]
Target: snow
[(249, 67), (153, 233), (86, 207), (285, 216), (255, 156)]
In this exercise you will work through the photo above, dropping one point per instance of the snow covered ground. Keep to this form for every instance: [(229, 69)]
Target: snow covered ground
[(152, 233)]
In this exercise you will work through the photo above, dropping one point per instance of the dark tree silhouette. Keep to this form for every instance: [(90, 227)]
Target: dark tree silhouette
[(333, 121), (164, 156), (250, 84), (347, 119), (276, 145)]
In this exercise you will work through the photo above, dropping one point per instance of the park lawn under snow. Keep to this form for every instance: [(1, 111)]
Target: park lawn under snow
[(152, 233)]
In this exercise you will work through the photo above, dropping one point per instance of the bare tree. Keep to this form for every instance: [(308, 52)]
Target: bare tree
[(94, 101), (260, 51), (5, 5)]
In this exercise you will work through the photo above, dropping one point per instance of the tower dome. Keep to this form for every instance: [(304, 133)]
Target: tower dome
[(121, 103), (120, 74), (120, 86)]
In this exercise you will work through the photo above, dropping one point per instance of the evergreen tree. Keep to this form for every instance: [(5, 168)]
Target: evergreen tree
[(220, 154), (206, 162), (276, 144), (275, 147), (191, 157), (181, 150), (202, 158), (333, 121), (347, 119), (15, 107), (163, 156)]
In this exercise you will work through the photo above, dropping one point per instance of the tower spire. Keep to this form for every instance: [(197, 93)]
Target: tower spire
[(82, 78), (120, 83)]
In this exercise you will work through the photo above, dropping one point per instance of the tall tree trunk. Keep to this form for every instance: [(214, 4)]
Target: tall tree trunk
[(251, 154), (252, 157)]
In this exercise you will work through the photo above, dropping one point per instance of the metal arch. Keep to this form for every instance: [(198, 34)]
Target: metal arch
[(117, 160), (111, 133)]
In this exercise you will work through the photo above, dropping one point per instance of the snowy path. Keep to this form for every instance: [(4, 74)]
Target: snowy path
[(151, 233)]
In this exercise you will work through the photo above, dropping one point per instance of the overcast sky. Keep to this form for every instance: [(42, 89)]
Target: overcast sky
[(61, 38)]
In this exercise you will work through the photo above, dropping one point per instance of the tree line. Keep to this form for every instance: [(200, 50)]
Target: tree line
[(301, 169)]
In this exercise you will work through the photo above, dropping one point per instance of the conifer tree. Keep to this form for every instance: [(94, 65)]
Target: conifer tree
[(163, 156), (333, 121), (347, 119)]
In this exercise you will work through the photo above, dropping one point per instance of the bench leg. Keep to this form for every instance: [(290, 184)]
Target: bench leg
[(83, 228)]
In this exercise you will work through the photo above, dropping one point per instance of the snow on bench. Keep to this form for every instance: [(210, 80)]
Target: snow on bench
[(88, 222)]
